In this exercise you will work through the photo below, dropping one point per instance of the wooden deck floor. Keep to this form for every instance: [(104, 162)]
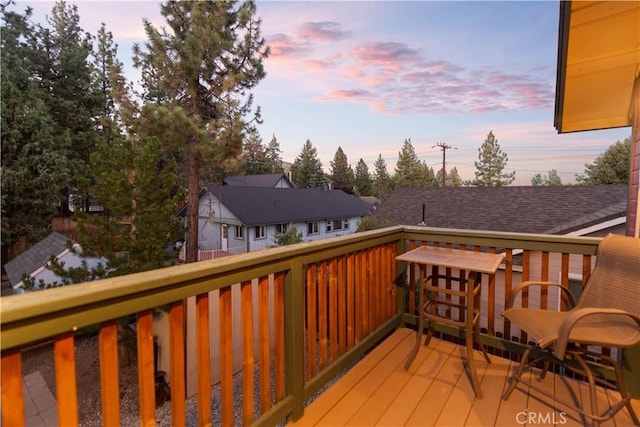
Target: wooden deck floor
[(437, 391)]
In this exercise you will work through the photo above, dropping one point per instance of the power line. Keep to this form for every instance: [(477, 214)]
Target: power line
[(444, 148)]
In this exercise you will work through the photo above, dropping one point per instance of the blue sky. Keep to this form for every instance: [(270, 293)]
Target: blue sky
[(366, 75)]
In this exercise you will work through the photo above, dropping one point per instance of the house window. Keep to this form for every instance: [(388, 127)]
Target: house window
[(239, 232), (337, 225), (313, 227), (282, 228), (260, 231)]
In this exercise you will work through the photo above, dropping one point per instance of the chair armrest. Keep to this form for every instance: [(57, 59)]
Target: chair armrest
[(578, 314), (524, 285)]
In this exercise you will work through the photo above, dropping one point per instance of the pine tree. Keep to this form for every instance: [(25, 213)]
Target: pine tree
[(66, 74), (306, 170), (105, 59), (453, 178), (363, 183), (382, 183), (204, 63), (254, 159), (257, 158), (341, 172), (273, 156), (552, 179), (410, 171), (490, 165), (34, 170), (136, 183)]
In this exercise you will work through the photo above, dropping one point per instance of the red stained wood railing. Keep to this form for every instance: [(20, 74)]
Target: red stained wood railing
[(265, 357), (146, 380), (226, 357), (11, 389), (109, 373), (177, 353), (203, 358), (248, 361), (279, 336)]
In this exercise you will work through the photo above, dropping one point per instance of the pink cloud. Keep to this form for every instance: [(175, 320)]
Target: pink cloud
[(391, 77), (283, 46), (346, 95), (384, 53), (318, 32)]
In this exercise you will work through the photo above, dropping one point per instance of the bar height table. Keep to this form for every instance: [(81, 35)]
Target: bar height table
[(474, 264)]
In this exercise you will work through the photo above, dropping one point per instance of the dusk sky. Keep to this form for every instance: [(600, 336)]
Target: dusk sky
[(367, 75)]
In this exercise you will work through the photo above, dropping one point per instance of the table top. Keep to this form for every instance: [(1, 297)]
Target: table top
[(480, 262)]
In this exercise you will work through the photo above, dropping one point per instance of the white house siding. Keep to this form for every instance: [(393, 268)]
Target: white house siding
[(212, 214), (68, 259)]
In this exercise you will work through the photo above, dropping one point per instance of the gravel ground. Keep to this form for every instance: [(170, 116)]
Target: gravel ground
[(88, 383)]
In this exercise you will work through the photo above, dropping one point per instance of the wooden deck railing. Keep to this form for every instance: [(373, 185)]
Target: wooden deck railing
[(301, 314)]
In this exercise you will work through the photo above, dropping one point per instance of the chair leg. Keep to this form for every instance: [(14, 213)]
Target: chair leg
[(480, 344), (545, 368), (622, 388), (516, 377), (592, 388)]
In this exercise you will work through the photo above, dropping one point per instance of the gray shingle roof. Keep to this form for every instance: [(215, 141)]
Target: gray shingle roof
[(267, 180), (35, 257), (542, 210), (263, 206)]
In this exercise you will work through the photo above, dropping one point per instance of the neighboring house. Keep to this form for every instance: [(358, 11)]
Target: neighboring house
[(274, 180), (563, 210), (33, 262), (372, 200), (236, 219)]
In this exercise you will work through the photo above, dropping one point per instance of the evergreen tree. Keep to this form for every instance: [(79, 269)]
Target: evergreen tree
[(66, 75), (254, 158), (204, 63), (273, 156), (552, 179), (410, 171), (490, 165), (363, 183), (341, 172), (453, 178), (610, 167), (537, 180), (34, 170), (258, 159), (135, 181), (382, 183), (105, 59), (306, 170)]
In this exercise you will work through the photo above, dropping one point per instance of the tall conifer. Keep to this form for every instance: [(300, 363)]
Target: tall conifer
[(204, 64)]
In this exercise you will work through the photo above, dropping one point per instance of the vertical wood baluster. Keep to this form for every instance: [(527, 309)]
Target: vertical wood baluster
[(66, 389), (248, 361), (146, 368), (109, 373), (11, 388), (264, 343), (203, 359), (226, 356)]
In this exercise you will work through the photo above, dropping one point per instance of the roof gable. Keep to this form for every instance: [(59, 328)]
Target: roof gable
[(265, 181), (35, 257), (540, 210), (262, 206)]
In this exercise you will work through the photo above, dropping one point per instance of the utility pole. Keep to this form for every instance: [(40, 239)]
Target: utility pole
[(444, 148)]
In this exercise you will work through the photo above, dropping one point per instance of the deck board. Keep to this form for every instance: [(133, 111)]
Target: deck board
[(436, 390)]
